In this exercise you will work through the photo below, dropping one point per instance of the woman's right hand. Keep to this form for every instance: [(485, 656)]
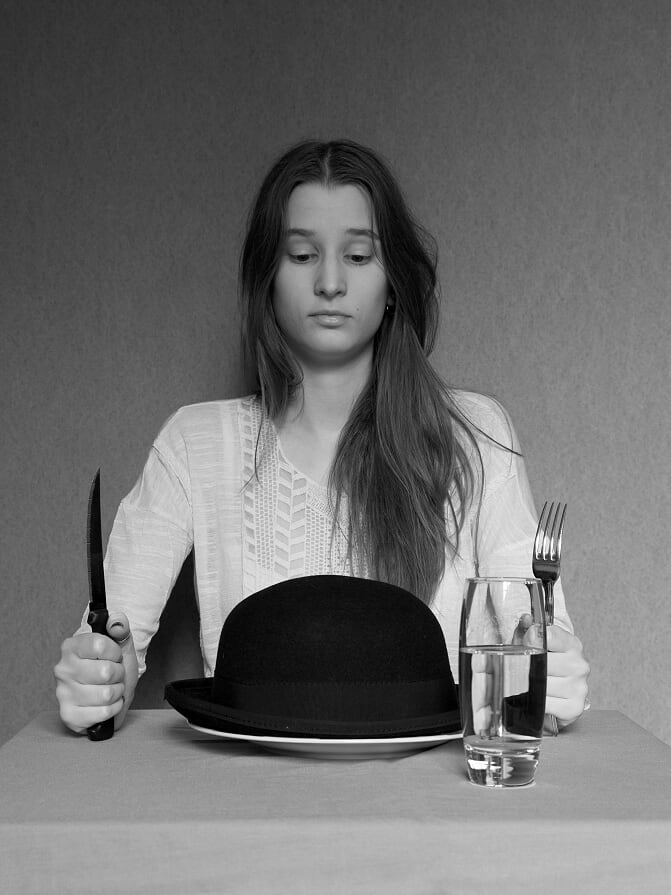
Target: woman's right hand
[(97, 675)]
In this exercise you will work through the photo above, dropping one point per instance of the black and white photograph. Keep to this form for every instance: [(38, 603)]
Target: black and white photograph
[(336, 484)]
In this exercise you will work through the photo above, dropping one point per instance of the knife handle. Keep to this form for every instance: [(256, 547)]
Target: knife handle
[(104, 730)]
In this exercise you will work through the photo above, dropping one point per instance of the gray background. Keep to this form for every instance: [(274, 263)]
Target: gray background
[(531, 137)]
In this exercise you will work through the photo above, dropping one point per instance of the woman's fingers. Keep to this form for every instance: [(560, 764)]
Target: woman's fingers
[(94, 696), (561, 641), (80, 718), (92, 675), (568, 670), (568, 665), (90, 646)]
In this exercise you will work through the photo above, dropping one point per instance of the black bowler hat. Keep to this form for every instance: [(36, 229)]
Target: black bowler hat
[(329, 657)]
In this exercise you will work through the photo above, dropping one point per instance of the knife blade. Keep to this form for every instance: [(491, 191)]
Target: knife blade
[(98, 614)]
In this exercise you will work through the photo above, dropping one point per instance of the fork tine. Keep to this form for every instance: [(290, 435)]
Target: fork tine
[(556, 552), (548, 551), (547, 534), (540, 533)]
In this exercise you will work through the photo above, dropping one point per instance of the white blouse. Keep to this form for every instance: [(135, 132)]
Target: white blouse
[(251, 527)]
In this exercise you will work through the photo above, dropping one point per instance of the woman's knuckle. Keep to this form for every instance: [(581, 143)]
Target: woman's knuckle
[(62, 692), (104, 671), (68, 715)]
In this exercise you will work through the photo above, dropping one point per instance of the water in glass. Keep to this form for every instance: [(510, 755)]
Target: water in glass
[(502, 703)]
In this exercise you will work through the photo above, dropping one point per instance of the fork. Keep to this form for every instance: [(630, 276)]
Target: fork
[(547, 553), (545, 565)]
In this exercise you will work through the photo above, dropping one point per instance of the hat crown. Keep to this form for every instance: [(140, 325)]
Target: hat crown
[(331, 628)]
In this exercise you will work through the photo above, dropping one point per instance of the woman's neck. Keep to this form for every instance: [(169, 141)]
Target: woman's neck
[(322, 406), (328, 394), (311, 425)]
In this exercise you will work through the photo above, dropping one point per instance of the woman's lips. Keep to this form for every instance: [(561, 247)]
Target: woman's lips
[(334, 318)]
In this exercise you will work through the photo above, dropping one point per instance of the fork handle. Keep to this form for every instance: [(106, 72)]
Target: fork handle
[(548, 587), (550, 727)]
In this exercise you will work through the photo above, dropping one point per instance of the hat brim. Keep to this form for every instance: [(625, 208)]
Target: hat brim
[(192, 698)]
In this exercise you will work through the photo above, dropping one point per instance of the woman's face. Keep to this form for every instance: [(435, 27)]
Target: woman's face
[(330, 289)]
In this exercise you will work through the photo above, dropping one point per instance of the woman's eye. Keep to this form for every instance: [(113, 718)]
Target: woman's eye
[(300, 257), (358, 258)]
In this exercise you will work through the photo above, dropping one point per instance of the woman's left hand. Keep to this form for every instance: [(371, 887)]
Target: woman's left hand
[(568, 670)]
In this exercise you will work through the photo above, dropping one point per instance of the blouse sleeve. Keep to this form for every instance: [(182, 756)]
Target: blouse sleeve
[(507, 521), (150, 539)]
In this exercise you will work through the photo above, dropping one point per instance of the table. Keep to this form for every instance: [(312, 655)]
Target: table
[(161, 808)]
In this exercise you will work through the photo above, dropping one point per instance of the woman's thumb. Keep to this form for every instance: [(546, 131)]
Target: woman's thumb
[(118, 628)]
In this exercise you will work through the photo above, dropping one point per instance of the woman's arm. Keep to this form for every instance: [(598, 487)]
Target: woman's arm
[(505, 534), (151, 536)]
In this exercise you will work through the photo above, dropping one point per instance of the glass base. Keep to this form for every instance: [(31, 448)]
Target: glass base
[(509, 766)]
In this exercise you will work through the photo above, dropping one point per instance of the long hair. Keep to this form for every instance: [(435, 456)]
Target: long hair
[(402, 467)]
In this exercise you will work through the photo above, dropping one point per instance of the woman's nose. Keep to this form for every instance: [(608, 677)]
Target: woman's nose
[(330, 280)]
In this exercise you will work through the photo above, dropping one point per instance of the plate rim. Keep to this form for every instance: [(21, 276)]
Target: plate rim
[(328, 741)]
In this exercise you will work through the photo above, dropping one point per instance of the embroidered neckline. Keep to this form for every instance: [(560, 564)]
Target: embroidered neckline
[(287, 516)]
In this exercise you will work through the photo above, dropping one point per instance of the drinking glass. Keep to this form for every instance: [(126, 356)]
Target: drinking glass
[(502, 679)]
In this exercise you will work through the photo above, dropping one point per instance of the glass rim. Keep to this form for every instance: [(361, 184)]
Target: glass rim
[(527, 580)]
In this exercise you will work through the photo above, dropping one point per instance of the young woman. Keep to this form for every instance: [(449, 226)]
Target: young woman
[(352, 457)]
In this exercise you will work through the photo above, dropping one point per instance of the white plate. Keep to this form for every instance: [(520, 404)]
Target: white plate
[(392, 747)]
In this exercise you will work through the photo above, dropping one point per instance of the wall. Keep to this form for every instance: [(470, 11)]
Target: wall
[(531, 137)]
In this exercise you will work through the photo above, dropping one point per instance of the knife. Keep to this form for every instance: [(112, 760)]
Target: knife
[(98, 614)]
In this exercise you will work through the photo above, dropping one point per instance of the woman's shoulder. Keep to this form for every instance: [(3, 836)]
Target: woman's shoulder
[(206, 420), (486, 417)]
